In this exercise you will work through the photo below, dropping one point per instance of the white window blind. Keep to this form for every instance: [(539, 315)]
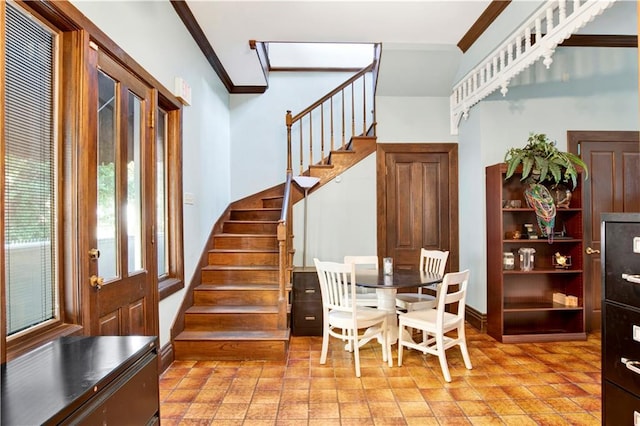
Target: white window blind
[(30, 202)]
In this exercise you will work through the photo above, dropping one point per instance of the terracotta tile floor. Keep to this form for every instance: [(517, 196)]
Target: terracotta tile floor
[(511, 384)]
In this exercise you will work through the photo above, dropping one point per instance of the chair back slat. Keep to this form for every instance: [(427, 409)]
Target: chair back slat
[(335, 279), (433, 261), (445, 297)]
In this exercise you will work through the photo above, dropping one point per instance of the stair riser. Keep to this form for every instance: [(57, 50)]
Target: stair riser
[(250, 227), (239, 276), (272, 203), (231, 350), (243, 259), (246, 243), (255, 215), (230, 322), (236, 297)]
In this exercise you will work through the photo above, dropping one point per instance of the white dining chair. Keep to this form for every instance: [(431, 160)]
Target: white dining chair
[(365, 296), (337, 286), (430, 261), (436, 323)]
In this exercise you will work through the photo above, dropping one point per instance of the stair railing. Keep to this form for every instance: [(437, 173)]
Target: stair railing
[(330, 122), (285, 253)]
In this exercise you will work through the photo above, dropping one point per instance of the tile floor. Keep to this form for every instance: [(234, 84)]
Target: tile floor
[(510, 384)]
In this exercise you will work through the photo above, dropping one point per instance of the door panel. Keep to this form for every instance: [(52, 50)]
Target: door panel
[(124, 300), (613, 185), (417, 193)]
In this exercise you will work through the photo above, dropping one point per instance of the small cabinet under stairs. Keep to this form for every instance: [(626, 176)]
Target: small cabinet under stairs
[(236, 311)]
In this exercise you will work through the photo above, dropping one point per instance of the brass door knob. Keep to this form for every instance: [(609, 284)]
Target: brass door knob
[(94, 254), (589, 250), (96, 282)]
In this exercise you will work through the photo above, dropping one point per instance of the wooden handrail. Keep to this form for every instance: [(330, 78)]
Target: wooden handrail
[(334, 92), (284, 242)]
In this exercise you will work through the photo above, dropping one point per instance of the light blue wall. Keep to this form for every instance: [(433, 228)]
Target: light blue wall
[(258, 128), (153, 34)]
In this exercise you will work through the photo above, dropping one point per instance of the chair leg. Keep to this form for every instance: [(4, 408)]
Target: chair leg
[(325, 344), (356, 351), (400, 341), (463, 347), (387, 343), (442, 356)]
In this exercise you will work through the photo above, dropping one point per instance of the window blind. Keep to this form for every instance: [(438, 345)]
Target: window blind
[(30, 172)]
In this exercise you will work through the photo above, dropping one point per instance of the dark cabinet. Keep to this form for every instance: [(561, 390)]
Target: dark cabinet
[(528, 305), (111, 380), (620, 259), (306, 310)]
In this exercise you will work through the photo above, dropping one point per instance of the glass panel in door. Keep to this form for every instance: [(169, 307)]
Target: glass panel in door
[(107, 218), (134, 190)]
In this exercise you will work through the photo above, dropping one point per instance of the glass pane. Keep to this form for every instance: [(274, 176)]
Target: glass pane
[(107, 218), (134, 191), (162, 234), (30, 173)]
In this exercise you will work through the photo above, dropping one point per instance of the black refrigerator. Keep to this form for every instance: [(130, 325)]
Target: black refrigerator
[(620, 262)]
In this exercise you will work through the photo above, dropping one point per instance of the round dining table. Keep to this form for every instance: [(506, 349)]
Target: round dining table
[(387, 287)]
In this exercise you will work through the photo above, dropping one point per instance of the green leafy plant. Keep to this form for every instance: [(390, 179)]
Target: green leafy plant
[(543, 162)]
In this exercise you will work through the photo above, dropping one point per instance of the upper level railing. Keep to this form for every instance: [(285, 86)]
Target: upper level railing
[(330, 122), (550, 25)]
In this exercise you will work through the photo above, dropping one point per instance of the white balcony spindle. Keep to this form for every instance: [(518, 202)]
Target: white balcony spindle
[(549, 20), (562, 9)]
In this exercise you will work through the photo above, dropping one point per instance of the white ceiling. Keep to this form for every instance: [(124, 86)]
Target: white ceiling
[(418, 37)]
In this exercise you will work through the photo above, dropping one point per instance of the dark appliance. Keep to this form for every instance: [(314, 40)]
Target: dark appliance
[(620, 257)]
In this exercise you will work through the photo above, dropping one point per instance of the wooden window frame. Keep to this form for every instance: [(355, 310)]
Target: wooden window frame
[(77, 33)]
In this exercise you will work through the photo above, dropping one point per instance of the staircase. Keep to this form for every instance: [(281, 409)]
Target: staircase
[(238, 308), (235, 312)]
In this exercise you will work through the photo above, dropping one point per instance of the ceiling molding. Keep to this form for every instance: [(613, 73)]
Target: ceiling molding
[(600, 40), (489, 15), (190, 22)]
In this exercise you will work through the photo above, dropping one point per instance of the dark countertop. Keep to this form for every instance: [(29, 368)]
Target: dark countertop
[(50, 382)]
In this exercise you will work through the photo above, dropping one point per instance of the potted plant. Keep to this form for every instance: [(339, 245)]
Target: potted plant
[(543, 162)]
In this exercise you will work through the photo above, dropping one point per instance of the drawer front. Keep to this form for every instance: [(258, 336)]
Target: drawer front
[(307, 319), (306, 293), (619, 407), (306, 287), (619, 259), (620, 325)]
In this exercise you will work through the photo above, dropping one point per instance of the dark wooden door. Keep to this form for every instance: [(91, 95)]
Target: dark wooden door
[(418, 202), (613, 185), (122, 300)]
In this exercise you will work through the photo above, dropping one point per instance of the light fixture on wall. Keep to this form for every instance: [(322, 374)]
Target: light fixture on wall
[(306, 183)]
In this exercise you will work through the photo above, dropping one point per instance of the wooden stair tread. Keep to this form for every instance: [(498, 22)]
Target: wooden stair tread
[(232, 309), (239, 268), (235, 335), (261, 209), (243, 251), (237, 286), (241, 221), (231, 234)]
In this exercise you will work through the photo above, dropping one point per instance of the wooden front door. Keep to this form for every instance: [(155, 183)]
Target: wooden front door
[(122, 299), (417, 202), (613, 185)]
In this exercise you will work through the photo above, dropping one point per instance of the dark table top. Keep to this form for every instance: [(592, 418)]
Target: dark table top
[(399, 279), (41, 386)]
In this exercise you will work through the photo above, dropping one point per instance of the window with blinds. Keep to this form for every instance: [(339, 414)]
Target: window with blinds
[(30, 202)]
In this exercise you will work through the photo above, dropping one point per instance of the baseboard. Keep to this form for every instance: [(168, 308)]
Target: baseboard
[(166, 356), (476, 319)]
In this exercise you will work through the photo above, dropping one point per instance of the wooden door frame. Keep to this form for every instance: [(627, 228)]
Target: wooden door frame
[(451, 149)]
